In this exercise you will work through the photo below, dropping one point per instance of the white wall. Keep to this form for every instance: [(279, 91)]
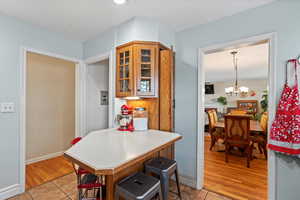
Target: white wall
[(280, 17), (259, 86), (13, 35), (97, 81), (252, 63), (137, 28), (144, 29)]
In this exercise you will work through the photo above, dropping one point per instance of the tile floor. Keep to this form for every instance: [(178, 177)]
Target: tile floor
[(64, 188)]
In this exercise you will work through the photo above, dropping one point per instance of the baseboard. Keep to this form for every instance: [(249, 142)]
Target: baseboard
[(45, 157), (10, 191), (189, 181)]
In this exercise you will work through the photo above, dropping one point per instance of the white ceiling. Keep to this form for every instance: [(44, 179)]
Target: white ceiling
[(84, 19), (252, 64)]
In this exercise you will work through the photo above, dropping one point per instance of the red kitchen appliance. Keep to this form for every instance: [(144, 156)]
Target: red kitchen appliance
[(125, 119)]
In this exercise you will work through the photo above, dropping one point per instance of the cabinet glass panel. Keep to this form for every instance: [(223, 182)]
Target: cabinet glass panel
[(126, 72), (121, 72), (146, 55), (146, 59), (146, 70), (145, 85), (124, 85), (146, 52)]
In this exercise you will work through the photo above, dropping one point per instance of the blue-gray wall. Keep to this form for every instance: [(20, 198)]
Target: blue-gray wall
[(137, 28), (13, 35), (281, 17)]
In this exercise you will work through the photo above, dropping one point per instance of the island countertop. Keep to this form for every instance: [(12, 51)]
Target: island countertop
[(109, 151)]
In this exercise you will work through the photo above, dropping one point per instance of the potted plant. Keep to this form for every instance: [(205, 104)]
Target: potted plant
[(264, 101), (263, 105), (222, 100)]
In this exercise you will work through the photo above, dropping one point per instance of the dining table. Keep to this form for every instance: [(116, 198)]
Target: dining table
[(254, 126), (117, 154)]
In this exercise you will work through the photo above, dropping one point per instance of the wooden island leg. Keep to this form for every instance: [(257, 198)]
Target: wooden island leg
[(110, 188)]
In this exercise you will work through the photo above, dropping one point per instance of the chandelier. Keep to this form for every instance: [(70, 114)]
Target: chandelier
[(243, 91)]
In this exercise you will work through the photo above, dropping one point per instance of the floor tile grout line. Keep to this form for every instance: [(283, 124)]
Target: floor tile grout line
[(30, 195), (206, 195), (220, 194), (61, 190)]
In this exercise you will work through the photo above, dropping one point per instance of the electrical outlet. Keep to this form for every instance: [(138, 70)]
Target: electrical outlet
[(7, 108)]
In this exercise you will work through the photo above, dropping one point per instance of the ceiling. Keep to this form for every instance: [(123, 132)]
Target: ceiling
[(84, 19), (252, 64)]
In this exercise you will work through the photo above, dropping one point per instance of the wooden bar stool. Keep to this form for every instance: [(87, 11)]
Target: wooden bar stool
[(164, 168), (138, 187)]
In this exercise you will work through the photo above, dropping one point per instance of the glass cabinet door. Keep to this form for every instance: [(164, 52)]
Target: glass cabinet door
[(145, 70), (124, 80)]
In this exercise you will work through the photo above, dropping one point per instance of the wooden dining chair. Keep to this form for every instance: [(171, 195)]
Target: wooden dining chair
[(261, 138), (215, 133), (264, 121), (237, 134)]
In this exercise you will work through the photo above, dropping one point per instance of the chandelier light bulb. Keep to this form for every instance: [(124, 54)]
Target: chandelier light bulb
[(120, 2)]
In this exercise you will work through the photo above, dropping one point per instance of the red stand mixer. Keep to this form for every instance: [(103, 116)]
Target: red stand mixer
[(125, 119)]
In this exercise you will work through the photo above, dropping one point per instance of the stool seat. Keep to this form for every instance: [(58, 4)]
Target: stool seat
[(161, 164), (138, 187), (164, 168)]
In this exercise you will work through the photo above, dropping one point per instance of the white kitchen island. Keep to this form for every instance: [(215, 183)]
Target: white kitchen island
[(117, 154)]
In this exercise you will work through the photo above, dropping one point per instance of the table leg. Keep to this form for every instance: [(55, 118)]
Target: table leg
[(110, 189)]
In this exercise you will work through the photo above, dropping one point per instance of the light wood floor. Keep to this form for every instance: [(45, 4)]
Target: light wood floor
[(234, 179), (47, 170)]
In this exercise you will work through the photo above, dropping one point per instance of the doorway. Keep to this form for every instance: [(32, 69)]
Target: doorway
[(271, 40), (50, 117), (250, 100), (97, 95)]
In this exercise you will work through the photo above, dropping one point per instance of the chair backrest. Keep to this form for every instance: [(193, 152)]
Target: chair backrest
[(212, 120), (215, 115), (238, 112), (264, 121), (237, 129)]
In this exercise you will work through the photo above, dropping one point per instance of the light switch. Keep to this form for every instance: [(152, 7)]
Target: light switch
[(103, 97), (7, 108)]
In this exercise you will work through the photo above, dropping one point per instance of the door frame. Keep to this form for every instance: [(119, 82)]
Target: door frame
[(111, 86), (272, 72), (79, 109)]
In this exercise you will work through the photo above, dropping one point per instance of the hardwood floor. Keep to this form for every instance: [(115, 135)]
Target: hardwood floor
[(47, 170), (234, 179)]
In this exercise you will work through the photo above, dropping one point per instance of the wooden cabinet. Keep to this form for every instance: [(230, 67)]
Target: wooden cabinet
[(161, 109), (137, 69), (250, 106)]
